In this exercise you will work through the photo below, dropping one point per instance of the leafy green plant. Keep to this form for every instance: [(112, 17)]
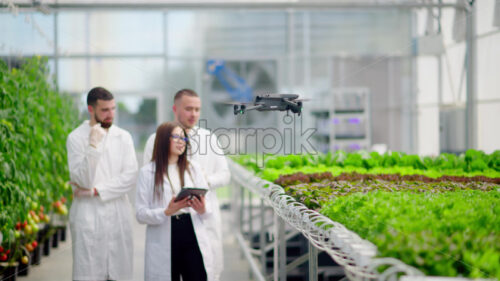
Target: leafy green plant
[(446, 234), (34, 122), (439, 214), (472, 163)]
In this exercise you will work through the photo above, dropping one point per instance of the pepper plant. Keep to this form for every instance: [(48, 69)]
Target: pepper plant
[(35, 120)]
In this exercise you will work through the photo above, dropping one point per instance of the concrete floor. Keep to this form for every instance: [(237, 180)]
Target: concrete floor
[(58, 265)]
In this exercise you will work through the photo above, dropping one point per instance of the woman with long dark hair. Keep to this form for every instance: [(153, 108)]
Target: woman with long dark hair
[(178, 242)]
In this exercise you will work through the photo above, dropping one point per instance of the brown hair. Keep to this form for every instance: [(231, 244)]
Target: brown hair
[(161, 152), (185, 92), (98, 93)]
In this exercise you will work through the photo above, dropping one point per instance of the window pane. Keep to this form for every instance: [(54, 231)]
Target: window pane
[(137, 115), (72, 32), (360, 32), (73, 75), (127, 74), (26, 34), (226, 33), (126, 32), (111, 32), (248, 33)]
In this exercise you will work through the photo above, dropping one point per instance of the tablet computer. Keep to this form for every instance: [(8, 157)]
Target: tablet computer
[(190, 192)]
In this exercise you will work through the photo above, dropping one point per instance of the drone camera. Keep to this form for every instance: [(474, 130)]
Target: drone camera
[(239, 109)]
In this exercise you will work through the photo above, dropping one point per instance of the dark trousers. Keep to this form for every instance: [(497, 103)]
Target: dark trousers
[(186, 256)]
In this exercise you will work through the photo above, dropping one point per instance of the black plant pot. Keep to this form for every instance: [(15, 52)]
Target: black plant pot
[(46, 246), (36, 256), (9, 273), (45, 240), (63, 233), (55, 239), (23, 269)]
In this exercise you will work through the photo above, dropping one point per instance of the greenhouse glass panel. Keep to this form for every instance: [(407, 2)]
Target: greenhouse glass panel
[(37, 34), (51, 68), (226, 33), (246, 33), (298, 67), (182, 74), (127, 74), (360, 32), (125, 32), (73, 75), (320, 73), (184, 34), (137, 115), (73, 32)]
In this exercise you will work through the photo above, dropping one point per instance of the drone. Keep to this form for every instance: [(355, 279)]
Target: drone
[(271, 102)]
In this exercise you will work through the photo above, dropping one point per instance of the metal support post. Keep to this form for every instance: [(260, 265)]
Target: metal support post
[(282, 250), (250, 215), (242, 203), (470, 105), (313, 262), (262, 237), (56, 51), (276, 246), (250, 225)]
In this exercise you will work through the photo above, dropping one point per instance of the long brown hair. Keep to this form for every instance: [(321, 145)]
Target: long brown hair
[(161, 152)]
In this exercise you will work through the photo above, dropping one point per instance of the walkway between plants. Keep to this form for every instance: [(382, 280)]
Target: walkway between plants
[(58, 265)]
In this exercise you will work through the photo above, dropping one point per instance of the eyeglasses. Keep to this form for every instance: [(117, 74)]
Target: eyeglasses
[(179, 138)]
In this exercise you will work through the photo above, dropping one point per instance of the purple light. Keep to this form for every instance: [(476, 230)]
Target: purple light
[(354, 120), (354, 146)]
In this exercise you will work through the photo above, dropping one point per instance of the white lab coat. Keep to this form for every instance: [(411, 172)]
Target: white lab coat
[(157, 264), (101, 227), (206, 152)]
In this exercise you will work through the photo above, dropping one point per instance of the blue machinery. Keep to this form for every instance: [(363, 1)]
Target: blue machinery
[(236, 86)]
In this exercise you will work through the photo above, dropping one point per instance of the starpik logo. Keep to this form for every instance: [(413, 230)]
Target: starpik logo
[(291, 138)]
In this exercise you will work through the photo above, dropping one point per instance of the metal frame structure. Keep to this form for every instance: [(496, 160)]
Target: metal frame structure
[(272, 4), (54, 7)]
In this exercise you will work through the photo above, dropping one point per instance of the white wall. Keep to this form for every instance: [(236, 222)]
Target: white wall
[(488, 93), (454, 81), (428, 109)]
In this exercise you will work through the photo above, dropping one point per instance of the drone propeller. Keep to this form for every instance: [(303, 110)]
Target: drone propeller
[(235, 103)]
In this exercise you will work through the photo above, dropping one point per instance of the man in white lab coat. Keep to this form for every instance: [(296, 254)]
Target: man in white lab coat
[(103, 168), (205, 151)]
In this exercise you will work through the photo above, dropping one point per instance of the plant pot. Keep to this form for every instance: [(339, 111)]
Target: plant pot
[(46, 241), (55, 240), (63, 233), (8, 271), (23, 269), (46, 246), (36, 256)]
